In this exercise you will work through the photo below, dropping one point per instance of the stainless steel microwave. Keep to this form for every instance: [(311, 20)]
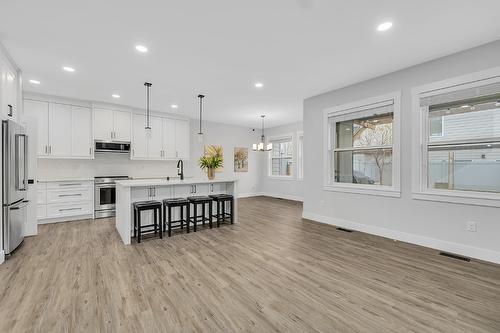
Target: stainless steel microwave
[(112, 147)]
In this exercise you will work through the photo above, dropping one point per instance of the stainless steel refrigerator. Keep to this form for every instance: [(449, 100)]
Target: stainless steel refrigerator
[(14, 184)]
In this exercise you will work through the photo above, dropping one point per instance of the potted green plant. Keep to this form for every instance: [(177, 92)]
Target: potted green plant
[(211, 161)]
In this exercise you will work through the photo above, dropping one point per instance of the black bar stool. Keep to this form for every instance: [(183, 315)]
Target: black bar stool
[(220, 200), (146, 206), (168, 204), (203, 201)]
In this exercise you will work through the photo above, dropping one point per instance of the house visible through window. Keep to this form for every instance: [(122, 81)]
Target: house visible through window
[(281, 157), (436, 126), (467, 156), (363, 146)]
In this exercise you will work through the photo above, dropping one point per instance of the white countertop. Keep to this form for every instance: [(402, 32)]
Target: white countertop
[(69, 179), (165, 182)]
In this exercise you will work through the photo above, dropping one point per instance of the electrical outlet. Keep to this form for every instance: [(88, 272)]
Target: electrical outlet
[(471, 226)]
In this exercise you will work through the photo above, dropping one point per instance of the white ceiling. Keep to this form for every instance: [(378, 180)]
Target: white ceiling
[(297, 48)]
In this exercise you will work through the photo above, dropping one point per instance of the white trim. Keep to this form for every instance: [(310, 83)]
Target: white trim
[(270, 157), (2, 256), (300, 162), (380, 190), (66, 219), (282, 196), (420, 135), (248, 195), (438, 244), (361, 105)]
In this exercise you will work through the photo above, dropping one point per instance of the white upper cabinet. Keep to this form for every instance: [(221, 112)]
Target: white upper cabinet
[(182, 139), (60, 130), (9, 81), (112, 125), (155, 144), (103, 124), (139, 137), (36, 115), (81, 130), (121, 122), (60, 120), (169, 138)]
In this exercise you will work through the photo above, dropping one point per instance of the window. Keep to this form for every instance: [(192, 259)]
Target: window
[(281, 157), (363, 146), (460, 138), (300, 155), (467, 158)]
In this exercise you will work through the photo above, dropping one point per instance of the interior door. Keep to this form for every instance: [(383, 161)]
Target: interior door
[(81, 128), (169, 138), (36, 116), (121, 121), (182, 138), (60, 120), (139, 142), (103, 124), (155, 144)]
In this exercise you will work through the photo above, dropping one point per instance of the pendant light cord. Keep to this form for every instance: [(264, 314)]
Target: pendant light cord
[(201, 110), (148, 93)]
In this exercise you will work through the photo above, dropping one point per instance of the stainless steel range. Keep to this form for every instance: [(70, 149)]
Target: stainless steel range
[(105, 195)]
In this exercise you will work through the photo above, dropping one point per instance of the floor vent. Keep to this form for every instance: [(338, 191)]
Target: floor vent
[(344, 229), (454, 256)]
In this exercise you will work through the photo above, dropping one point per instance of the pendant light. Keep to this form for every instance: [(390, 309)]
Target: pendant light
[(200, 132), (148, 100), (262, 146)]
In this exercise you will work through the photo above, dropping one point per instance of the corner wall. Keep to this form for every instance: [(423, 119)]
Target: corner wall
[(433, 224), (289, 188)]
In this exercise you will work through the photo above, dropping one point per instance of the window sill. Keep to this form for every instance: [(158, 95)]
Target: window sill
[(282, 177), (460, 197), (376, 190)]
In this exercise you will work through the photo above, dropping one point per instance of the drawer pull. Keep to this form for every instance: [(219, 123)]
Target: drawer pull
[(70, 195), (71, 184), (67, 209)]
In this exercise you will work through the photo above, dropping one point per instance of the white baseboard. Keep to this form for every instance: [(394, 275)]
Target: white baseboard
[(283, 196), (438, 244), (65, 219), (2, 256), (248, 195)]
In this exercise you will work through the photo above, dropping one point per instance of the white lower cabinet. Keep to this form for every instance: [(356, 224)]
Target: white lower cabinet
[(65, 199)]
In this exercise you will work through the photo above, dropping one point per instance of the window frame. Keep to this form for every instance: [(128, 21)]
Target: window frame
[(300, 156), (361, 106), (420, 137), (286, 136)]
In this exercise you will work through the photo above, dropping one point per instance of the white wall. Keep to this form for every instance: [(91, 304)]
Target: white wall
[(229, 137), (287, 188), (433, 224)]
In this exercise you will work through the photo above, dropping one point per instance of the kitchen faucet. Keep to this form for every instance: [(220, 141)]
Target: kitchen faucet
[(180, 170)]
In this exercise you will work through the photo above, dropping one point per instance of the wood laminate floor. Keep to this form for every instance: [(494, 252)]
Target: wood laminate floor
[(273, 272)]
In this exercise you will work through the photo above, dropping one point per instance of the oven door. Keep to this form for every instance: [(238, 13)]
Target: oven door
[(105, 197)]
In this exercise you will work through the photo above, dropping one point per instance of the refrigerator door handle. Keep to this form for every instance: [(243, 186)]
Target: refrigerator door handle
[(21, 161)]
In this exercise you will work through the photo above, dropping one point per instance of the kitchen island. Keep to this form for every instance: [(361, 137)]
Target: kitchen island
[(130, 191)]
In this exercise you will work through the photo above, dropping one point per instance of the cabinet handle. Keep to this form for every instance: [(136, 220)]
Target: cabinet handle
[(195, 189), (90, 151), (46, 150), (10, 110), (71, 184), (71, 195), (66, 209), (176, 153), (133, 152)]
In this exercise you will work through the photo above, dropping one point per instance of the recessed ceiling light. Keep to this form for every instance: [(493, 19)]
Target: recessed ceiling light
[(384, 26), (115, 96), (465, 106), (141, 48), (35, 81), (497, 103), (174, 106), (258, 85), (68, 69)]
